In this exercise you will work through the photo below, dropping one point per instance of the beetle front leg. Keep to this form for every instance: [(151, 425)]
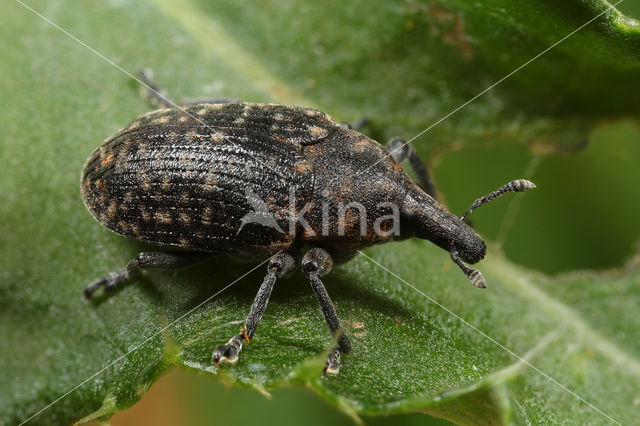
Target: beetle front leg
[(143, 261), (400, 151), (316, 263), (281, 265)]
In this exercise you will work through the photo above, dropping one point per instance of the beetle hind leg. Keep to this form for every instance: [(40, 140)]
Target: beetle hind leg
[(143, 261), (316, 263), (281, 265)]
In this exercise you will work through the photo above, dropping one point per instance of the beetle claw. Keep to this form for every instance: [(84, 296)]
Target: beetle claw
[(228, 352)]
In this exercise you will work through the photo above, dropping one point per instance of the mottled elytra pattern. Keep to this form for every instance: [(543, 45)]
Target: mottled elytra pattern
[(170, 179)]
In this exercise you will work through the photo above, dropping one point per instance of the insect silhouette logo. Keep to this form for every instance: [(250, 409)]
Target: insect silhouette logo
[(260, 214)]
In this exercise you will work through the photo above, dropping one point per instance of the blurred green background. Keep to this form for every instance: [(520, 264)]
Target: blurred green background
[(583, 216)]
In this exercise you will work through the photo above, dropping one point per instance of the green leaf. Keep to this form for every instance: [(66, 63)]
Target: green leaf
[(402, 65)]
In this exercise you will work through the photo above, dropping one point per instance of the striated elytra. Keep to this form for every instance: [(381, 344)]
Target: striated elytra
[(258, 180)]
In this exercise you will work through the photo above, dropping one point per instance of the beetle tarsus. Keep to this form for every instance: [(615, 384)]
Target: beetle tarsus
[(228, 353), (145, 260), (332, 366)]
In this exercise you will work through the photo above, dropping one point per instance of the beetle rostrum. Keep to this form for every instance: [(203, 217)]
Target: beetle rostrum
[(256, 180)]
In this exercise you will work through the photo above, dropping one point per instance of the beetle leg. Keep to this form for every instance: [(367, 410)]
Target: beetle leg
[(281, 265), (146, 260), (152, 92), (400, 151), (316, 263)]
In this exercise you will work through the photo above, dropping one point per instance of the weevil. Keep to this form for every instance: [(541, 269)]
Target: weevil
[(255, 180)]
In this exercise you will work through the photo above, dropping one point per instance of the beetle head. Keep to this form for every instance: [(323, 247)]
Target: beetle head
[(469, 245), (424, 217)]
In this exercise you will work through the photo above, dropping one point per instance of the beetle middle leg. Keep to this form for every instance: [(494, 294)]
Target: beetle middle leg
[(281, 265), (400, 151), (316, 263), (143, 261)]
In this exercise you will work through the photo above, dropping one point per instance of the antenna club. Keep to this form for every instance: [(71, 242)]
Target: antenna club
[(521, 185)]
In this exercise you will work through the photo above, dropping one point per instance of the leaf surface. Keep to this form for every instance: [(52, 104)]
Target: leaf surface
[(402, 65)]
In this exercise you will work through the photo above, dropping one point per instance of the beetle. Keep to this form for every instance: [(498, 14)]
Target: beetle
[(232, 177)]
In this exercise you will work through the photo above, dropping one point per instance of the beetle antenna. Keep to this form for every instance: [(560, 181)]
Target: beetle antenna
[(518, 185)]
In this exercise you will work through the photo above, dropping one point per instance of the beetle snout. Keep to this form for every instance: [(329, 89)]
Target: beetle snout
[(470, 246)]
